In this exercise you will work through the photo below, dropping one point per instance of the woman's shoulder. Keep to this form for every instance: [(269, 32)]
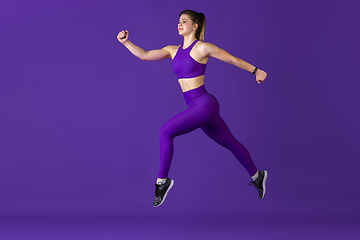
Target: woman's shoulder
[(171, 49), (172, 46), (204, 46)]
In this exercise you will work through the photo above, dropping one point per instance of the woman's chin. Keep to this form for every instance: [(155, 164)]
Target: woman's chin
[(181, 33)]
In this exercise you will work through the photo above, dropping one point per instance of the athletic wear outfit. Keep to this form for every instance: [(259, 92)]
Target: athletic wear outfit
[(203, 112)]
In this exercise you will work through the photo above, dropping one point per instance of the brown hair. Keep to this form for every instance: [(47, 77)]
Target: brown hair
[(198, 18)]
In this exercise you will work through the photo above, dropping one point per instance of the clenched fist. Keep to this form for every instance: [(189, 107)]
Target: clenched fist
[(260, 76), (123, 36)]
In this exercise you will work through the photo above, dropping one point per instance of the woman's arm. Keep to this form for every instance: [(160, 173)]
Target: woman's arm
[(216, 52), (151, 55)]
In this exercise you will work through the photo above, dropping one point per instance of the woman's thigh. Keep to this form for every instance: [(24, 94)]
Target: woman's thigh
[(202, 110)]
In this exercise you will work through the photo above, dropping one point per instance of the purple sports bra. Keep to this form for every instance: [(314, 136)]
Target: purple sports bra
[(185, 66)]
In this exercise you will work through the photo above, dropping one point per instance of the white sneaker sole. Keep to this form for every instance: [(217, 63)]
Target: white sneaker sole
[(264, 183), (167, 191)]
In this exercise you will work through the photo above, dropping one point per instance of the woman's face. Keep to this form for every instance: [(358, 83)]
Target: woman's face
[(185, 26)]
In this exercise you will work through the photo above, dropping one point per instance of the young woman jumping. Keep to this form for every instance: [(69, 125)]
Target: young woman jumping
[(189, 63)]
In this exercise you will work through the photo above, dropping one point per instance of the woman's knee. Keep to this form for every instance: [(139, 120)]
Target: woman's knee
[(165, 132)]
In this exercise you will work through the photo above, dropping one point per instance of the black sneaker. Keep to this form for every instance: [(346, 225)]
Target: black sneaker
[(161, 191), (260, 183)]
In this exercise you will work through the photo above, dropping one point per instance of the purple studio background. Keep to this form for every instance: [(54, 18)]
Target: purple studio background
[(80, 115)]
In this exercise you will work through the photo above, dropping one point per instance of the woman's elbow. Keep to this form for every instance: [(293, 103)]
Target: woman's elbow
[(235, 60), (143, 56)]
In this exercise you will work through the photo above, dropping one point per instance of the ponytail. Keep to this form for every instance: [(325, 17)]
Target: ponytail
[(202, 30)]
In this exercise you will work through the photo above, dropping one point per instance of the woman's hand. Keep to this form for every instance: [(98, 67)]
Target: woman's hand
[(123, 36), (260, 76)]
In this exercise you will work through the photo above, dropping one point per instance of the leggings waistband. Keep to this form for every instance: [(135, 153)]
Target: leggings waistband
[(193, 93)]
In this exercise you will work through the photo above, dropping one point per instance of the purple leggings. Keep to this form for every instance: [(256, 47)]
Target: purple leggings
[(203, 112)]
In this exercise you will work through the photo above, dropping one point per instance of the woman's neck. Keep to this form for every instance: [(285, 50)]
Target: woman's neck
[(188, 40)]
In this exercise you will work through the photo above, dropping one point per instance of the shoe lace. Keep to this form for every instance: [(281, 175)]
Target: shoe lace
[(256, 182)]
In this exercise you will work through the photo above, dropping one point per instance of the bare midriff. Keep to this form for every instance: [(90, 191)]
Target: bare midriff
[(188, 84)]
